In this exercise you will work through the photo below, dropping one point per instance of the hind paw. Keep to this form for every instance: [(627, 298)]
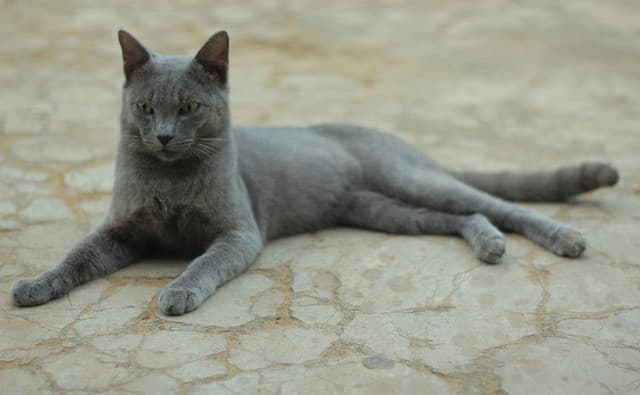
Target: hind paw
[(568, 242), (489, 248), (485, 239)]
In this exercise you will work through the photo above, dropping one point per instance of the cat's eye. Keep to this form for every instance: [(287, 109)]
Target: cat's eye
[(187, 108), (145, 106)]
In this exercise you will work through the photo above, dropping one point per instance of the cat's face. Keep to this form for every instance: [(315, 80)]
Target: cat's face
[(175, 107)]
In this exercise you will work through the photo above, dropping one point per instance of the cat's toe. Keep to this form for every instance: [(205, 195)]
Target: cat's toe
[(568, 242), (490, 249), (176, 300), (30, 293)]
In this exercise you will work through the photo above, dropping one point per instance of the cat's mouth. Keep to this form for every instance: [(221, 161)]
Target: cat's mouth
[(168, 155), (201, 148)]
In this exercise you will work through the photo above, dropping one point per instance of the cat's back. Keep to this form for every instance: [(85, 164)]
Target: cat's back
[(274, 136), (339, 143), (338, 138), (286, 146), (315, 133)]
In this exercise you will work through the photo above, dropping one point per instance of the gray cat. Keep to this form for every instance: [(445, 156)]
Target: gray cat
[(188, 183)]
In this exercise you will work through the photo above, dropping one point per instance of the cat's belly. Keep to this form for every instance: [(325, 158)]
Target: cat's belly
[(307, 209), (297, 185)]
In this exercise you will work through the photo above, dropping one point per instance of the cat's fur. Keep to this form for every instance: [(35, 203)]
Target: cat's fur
[(216, 193)]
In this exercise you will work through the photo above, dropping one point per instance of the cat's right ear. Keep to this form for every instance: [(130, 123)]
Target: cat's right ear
[(134, 54)]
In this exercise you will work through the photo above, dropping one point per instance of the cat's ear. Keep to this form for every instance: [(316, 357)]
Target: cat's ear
[(214, 56), (134, 54)]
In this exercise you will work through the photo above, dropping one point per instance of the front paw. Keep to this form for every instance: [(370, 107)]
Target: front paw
[(36, 291), (178, 300)]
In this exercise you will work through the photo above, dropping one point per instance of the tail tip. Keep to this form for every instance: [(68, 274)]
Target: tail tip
[(608, 175)]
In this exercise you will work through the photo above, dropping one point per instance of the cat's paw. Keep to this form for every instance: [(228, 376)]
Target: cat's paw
[(178, 300), (485, 239), (32, 292), (489, 248), (598, 174), (568, 242)]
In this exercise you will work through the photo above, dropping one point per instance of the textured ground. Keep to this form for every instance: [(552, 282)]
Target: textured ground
[(479, 85)]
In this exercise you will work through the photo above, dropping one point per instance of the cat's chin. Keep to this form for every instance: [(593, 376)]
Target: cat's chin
[(169, 156)]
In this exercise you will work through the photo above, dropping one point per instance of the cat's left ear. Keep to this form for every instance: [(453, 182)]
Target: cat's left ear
[(214, 56), (134, 54)]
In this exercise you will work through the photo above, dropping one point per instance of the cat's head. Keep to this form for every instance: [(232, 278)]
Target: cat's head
[(175, 107)]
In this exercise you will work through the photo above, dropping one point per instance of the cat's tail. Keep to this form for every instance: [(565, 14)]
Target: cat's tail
[(547, 186)]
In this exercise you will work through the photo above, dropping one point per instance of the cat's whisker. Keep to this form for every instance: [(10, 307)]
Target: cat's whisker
[(199, 152), (204, 149), (211, 139)]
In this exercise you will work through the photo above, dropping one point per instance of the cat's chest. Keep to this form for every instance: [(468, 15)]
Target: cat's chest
[(163, 198), (173, 212), (178, 226)]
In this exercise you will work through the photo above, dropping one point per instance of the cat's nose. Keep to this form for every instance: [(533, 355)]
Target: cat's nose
[(164, 138)]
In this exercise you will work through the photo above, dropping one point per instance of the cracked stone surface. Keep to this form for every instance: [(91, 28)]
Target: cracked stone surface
[(478, 85)]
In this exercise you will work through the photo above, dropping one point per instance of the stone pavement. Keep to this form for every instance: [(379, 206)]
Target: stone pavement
[(479, 85)]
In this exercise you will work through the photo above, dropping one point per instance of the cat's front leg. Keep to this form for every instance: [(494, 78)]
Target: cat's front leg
[(227, 257), (103, 251)]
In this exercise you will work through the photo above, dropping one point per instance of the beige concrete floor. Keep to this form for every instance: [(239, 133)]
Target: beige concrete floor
[(479, 85)]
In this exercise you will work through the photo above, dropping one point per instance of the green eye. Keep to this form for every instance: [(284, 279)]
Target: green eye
[(146, 107), (186, 108)]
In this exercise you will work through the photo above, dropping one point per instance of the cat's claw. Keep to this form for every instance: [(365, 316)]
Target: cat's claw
[(178, 300), (568, 242)]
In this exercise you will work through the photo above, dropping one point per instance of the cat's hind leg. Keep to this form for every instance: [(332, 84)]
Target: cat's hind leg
[(102, 252), (372, 210), (441, 192)]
